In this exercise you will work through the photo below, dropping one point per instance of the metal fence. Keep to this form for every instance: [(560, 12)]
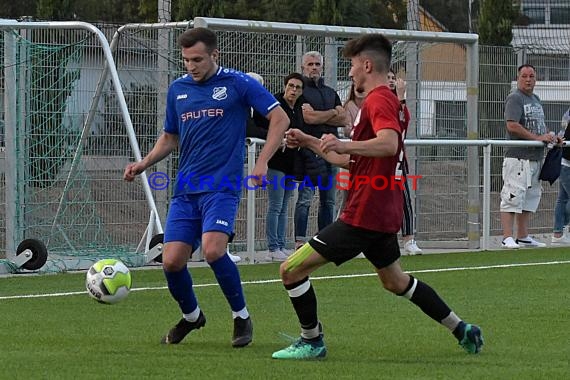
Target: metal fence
[(61, 175), (274, 50), (455, 91)]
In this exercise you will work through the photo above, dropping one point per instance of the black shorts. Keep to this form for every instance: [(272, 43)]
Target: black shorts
[(339, 242)]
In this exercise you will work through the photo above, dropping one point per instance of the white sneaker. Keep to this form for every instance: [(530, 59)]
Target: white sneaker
[(286, 252), (275, 256), (235, 258), (530, 242), (562, 240), (411, 248), (510, 243)]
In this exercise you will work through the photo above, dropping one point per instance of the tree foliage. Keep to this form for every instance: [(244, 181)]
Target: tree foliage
[(188, 9), (18, 9), (388, 14), (367, 13), (454, 14), (114, 11), (496, 18), (56, 9), (328, 12)]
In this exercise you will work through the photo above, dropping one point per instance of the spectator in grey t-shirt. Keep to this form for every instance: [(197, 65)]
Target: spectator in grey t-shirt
[(521, 191)]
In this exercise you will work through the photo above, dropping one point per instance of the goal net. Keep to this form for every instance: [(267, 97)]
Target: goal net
[(64, 150)]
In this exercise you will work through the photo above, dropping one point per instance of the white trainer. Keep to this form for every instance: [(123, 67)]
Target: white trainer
[(562, 240), (411, 248), (235, 258), (286, 252), (530, 243), (275, 256), (510, 243)]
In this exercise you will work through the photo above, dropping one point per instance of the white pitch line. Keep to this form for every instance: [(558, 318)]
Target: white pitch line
[(439, 270)]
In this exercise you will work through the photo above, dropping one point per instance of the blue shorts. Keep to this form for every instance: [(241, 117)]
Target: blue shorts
[(190, 215)]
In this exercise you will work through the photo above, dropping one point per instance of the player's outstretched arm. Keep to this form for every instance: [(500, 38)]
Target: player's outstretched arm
[(296, 138), (385, 144), (165, 144)]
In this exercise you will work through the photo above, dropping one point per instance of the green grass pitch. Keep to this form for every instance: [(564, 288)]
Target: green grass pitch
[(519, 298)]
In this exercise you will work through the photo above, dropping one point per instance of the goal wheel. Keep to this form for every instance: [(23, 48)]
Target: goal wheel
[(156, 239), (38, 251)]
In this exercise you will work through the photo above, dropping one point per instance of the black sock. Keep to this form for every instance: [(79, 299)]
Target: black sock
[(304, 302), (423, 296), (459, 330)]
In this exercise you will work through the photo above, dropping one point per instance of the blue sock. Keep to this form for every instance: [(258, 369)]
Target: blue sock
[(227, 274), (180, 286)]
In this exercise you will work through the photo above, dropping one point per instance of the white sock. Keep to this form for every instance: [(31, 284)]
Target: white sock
[(451, 321), (243, 314), (193, 316), (311, 333)]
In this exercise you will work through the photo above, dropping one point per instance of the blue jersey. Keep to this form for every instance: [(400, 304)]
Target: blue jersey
[(210, 120)]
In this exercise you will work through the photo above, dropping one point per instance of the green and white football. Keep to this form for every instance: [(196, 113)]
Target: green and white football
[(108, 281)]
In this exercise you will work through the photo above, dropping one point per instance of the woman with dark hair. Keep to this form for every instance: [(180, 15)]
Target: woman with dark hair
[(352, 106), (282, 167), (398, 87)]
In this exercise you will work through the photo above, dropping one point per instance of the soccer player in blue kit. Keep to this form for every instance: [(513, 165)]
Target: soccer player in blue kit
[(206, 114)]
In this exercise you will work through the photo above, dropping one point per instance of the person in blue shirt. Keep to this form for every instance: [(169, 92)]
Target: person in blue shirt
[(206, 114)]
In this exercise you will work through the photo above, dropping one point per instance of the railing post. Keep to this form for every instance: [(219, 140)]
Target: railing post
[(250, 228), (473, 179), (486, 195)]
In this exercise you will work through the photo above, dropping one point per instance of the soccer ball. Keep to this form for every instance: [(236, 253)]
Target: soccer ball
[(108, 281)]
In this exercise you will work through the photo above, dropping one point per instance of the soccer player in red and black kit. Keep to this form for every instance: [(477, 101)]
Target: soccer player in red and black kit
[(371, 218)]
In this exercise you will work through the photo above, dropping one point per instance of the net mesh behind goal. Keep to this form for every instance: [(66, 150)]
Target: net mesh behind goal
[(66, 177)]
